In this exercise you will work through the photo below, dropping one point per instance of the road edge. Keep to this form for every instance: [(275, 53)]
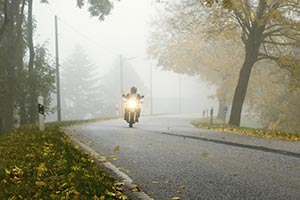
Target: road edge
[(131, 189)]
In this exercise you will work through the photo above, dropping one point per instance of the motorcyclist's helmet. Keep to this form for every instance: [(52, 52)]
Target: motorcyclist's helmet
[(133, 90)]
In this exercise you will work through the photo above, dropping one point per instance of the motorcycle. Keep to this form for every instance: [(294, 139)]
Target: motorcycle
[(132, 109)]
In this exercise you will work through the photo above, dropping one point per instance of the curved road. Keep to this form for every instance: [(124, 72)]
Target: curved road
[(167, 157)]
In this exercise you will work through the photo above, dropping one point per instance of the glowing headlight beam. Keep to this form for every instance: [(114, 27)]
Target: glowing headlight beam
[(132, 104)]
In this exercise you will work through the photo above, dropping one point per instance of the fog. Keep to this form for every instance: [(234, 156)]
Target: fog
[(124, 32)]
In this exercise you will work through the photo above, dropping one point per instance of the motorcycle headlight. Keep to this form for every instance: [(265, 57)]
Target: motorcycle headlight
[(132, 104)]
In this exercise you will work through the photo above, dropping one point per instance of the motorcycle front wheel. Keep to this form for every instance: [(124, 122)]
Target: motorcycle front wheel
[(131, 119)]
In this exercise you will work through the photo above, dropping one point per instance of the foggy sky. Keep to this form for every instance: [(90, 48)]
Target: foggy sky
[(124, 32)]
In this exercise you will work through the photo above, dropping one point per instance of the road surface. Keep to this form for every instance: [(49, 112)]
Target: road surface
[(167, 157)]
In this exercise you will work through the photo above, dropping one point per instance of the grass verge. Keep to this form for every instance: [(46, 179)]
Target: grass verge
[(44, 165), (219, 126)]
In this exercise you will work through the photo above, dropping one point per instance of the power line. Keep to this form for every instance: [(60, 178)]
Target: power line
[(93, 42), (50, 9)]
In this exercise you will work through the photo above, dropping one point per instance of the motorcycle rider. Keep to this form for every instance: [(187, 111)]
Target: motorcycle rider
[(133, 93)]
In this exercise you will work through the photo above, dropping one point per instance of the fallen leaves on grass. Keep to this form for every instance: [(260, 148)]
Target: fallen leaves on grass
[(35, 165), (269, 134)]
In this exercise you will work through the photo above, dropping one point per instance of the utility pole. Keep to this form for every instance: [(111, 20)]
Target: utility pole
[(121, 84), (179, 94), (57, 73), (151, 98)]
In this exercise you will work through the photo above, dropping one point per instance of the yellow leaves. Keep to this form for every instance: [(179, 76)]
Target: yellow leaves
[(41, 168), (117, 183), (182, 187), (113, 157), (62, 186), (124, 197), (7, 171), (117, 149), (29, 155), (50, 167), (16, 171), (108, 193), (15, 175), (118, 186), (4, 181), (176, 198), (101, 157), (135, 189), (103, 161), (204, 154), (269, 134), (155, 182), (75, 168), (233, 174), (48, 149), (87, 175), (98, 198), (40, 183)]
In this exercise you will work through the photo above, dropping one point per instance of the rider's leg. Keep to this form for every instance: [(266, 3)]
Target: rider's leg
[(125, 115), (138, 115)]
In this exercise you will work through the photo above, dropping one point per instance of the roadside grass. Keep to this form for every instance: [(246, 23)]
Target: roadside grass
[(45, 165), (218, 125)]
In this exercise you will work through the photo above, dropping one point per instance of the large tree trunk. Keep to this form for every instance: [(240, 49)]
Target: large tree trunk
[(1, 126), (252, 45), (9, 43), (240, 92), (5, 22), (21, 78), (32, 78)]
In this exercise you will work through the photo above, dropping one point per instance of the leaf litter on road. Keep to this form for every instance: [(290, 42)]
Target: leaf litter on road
[(155, 182), (233, 174), (135, 189), (117, 149), (204, 154), (182, 187)]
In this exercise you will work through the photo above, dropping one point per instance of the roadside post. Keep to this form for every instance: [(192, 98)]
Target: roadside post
[(211, 115), (41, 111), (117, 110), (224, 120), (225, 113)]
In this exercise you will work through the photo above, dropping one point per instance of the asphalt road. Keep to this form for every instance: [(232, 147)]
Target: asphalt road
[(167, 157)]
